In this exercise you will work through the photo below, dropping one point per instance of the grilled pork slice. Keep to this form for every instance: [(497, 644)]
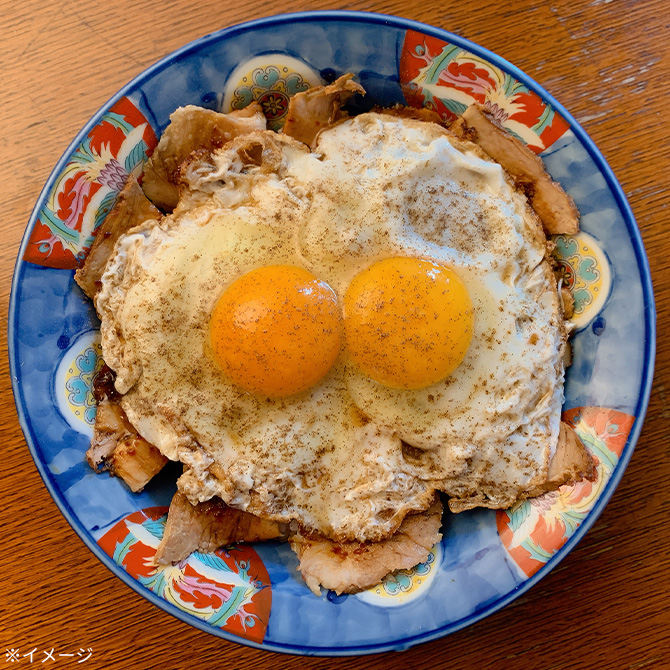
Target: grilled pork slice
[(191, 129), (567, 302), (131, 209), (111, 426), (116, 446), (136, 461), (416, 113), (313, 110), (551, 203), (349, 567), (207, 526), (570, 463)]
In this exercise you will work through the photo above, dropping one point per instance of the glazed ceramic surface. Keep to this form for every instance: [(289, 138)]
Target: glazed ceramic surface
[(254, 594)]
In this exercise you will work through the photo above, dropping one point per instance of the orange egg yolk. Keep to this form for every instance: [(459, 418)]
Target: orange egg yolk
[(408, 322), (276, 330)]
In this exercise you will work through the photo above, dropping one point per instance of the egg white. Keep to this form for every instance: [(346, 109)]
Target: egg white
[(335, 458)]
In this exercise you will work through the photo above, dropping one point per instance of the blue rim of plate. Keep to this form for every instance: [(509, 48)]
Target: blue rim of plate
[(649, 343)]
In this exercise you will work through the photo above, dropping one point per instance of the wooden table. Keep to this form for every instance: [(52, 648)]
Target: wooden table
[(605, 606)]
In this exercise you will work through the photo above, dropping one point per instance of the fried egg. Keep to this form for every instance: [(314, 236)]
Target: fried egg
[(330, 336)]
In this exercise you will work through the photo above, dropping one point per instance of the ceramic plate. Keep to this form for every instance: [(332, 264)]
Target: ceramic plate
[(253, 594)]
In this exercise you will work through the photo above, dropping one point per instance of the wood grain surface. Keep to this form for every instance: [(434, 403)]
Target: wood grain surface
[(606, 605)]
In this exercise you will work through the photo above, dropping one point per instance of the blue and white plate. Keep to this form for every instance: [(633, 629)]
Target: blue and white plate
[(254, 594)]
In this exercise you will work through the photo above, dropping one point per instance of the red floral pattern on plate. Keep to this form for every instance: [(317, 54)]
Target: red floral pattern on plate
[(87, 187), (447, 78), (533, 530), (229, 588)]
